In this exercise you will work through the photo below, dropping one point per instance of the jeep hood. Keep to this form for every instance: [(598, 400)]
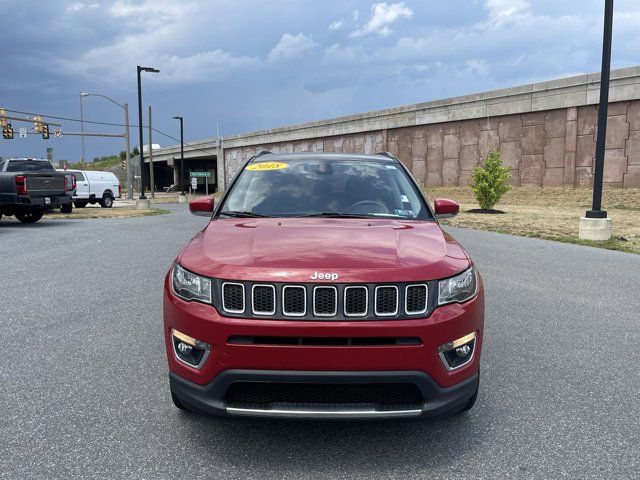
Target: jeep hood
[(292, 249)]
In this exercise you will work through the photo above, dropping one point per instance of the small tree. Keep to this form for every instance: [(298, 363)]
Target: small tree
[(489, 180)]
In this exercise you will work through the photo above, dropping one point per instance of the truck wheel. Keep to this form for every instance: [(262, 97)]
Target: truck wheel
[(177, 403), (29, 217), (107, 201), (80, 204), (66, 208)]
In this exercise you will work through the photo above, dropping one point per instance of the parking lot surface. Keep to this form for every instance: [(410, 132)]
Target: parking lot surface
[(85, 391)]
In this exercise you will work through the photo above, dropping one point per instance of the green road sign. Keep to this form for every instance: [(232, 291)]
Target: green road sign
[(200, 174)]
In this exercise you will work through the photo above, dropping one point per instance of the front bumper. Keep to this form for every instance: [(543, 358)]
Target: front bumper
[(438, 401), (204, 388)]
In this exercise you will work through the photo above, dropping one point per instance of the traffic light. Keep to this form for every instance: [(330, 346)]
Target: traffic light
[(3, 118), (45, 131), (7, 132), (37, 124), (123, 164)]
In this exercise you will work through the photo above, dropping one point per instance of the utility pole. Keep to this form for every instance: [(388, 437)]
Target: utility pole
[(128, 152), (127, 137), (595, 225), (82, 128), (181, 198), (151, 177)]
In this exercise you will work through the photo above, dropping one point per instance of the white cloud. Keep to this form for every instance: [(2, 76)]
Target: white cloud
[(291, 47), (79, 6), (150, 12), (506, 10), (383, 15), (337, 25)]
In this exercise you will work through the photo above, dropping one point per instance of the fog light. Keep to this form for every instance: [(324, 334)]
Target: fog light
[(189, 350), (458, 353), (463, 351)]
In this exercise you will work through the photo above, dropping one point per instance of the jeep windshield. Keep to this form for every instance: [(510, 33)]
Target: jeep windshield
[(325, 187)]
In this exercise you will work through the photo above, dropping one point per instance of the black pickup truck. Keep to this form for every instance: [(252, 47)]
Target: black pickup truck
[(29, 187)]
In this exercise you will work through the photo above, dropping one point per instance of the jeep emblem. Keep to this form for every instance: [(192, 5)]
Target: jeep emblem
[(324, 276)]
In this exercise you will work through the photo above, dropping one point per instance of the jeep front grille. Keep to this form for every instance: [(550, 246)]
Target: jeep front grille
[(323, 301)]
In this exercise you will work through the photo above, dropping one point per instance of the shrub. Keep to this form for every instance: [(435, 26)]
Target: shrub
[(489, 180)]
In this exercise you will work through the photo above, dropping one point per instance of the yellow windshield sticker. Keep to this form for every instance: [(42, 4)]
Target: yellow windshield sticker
[(268, 166)]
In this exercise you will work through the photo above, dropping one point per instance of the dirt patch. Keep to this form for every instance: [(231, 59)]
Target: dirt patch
[(82, 213), (551, 213)]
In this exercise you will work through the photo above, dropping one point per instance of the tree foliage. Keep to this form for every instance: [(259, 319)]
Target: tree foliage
[(489, 180)]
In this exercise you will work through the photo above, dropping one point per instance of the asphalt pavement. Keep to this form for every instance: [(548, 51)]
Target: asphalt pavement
[(84, 389)]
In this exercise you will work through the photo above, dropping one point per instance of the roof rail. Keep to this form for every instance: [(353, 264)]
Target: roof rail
[(386, 154)]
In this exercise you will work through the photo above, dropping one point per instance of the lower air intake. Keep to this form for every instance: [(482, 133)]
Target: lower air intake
[(267, 395)]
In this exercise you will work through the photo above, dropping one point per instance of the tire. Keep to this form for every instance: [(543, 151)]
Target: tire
[(30, 217), (66, 208), (177, 403), (80, 204), (472, 401), (107, 201)]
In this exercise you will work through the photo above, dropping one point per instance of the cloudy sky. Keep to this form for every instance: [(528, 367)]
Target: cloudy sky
[(260, 64)]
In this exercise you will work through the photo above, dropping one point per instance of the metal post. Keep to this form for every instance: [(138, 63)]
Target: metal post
[(206, 186), (142, 195), (82, 128), (596, 211), (152, 188), (127, 153), (182, 155)]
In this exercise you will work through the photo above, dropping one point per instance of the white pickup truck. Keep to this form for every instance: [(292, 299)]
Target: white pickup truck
[(95, 187)]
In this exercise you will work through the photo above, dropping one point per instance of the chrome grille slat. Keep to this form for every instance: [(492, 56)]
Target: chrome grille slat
[(325, 301), (355, 302), (294, 300), (386, 301), (233, 298), (263, 299), (415, 299)]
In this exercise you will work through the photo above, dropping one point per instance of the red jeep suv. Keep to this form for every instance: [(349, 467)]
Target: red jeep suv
[(324, 287)]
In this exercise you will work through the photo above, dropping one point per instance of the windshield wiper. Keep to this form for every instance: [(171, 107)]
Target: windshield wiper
[(335, 215), (235, 213)]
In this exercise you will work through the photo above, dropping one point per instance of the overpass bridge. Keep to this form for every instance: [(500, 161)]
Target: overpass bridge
[(546, 132)]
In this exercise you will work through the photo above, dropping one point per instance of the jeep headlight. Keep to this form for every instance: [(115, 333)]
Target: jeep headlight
[(190, 286), (459, 289)]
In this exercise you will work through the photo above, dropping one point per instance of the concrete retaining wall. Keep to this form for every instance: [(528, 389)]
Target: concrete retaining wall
[(545, 131)]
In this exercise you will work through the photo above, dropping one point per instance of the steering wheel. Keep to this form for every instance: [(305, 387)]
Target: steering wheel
[(382, 208)]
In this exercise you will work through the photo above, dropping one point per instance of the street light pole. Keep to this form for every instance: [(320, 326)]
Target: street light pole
[(140, 69), (182, 193), (128, 152), (595, 225), (82, 128), (127, 138)]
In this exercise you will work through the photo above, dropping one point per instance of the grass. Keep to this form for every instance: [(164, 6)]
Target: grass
[(82, 213), (551, 213)]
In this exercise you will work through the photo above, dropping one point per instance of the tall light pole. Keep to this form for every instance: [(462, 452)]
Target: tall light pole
[(127, 137), (181, 154), (81, 128), (595, 225), (152, 70)]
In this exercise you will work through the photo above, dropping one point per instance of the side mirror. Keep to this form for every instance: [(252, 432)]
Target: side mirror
[(202, 206), (445, 208)]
